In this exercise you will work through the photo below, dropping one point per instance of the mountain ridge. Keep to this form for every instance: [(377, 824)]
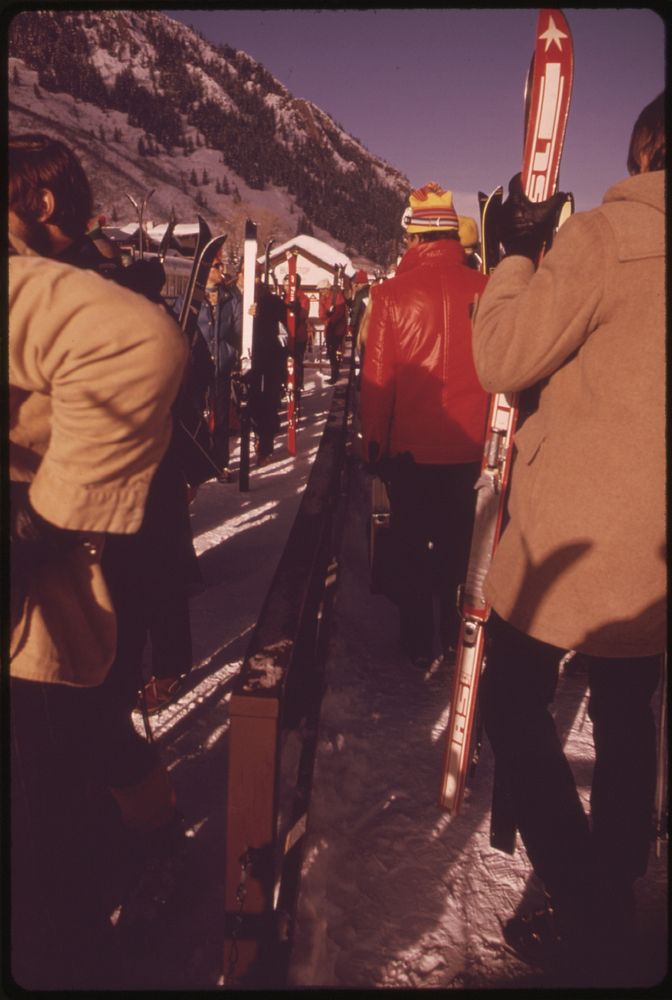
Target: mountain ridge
[(140, 95)]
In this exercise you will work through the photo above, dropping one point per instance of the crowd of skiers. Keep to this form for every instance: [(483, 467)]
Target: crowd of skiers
[(102, 559)]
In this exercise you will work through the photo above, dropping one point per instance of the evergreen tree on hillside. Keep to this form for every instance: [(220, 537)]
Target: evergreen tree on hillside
[(331, 178)]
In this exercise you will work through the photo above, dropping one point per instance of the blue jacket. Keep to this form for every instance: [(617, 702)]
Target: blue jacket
[(221, 328)]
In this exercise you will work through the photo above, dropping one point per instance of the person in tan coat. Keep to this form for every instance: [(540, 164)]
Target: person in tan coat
[(581, 563), (93, 372)]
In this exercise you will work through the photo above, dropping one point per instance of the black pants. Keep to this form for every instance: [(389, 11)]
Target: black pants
[(66, 744), (299, 353), (148, 575), (265, 395), (573, 858), (431, 520), (334, 354), (220, 434)]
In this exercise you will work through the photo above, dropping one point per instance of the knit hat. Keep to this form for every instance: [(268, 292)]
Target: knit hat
[(430, 208), (360, 278), (467, 231)]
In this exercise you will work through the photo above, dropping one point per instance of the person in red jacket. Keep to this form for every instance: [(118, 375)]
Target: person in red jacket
[(334, 312), (424, 417)]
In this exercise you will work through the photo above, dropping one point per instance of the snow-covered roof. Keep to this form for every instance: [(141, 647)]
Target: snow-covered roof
[(181, 229), (317, 249)]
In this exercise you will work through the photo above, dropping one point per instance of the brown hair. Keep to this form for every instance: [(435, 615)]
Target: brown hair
[(37, 162), (648, 138)]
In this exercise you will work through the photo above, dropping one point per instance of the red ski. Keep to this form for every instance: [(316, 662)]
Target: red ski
[(290, 298), (547, 104)]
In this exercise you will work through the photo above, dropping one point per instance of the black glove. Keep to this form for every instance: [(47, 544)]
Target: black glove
[(33, 540), (525, 226), (147, 277)]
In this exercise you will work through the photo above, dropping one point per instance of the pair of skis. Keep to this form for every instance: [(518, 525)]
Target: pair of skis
[(140, 208), (292, 395), (547, 107), (243, 388), (195, 420), (249, 275)]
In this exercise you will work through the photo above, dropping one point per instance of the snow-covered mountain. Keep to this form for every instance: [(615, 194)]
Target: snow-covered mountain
[(148, 103)]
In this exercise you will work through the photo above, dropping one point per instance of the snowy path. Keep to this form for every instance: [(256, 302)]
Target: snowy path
[(394, 895)]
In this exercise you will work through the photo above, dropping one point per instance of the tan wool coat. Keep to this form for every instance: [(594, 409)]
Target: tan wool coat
[(93, 372), (581, 564)]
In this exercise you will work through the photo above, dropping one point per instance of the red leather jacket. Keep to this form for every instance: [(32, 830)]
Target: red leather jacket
[(334, 311), (420, 393), (301, 314)]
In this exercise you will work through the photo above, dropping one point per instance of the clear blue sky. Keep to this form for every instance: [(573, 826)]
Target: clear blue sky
[(438, 93)]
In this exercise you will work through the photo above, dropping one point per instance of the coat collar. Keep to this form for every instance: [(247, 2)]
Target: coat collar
[(437, 252)]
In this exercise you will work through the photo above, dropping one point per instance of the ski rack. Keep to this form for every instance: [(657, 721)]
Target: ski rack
[(274, 713)]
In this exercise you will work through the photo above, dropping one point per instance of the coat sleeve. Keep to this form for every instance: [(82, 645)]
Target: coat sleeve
[(528, 323), (304, 306), (110, 363), (377, 392)]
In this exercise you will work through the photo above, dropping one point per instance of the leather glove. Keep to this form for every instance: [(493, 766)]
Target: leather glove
[(33, 540), (147, 277), (524, 226)]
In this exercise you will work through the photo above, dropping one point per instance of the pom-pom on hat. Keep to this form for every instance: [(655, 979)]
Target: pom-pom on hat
[(430, 208), (468, 232)]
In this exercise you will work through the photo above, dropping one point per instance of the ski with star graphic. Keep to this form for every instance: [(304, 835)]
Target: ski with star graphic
[(547, 99)]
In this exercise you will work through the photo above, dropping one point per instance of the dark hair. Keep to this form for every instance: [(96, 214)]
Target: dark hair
[(37, 162), (648, 138), (430, 235)]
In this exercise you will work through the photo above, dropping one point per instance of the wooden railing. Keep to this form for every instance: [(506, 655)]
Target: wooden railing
[(274, 713)]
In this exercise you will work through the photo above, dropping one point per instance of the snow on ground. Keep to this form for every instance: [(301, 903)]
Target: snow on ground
[(394, 894), (239, 538)]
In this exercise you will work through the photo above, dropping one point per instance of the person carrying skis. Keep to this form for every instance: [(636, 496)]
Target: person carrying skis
[(333, 310), (581, 563), (423, 416), (85, 439), (220, 326), (297, 345), (268, 368), (146, 571)]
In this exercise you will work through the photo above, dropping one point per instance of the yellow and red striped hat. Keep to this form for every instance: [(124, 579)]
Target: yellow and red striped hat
[(430, 208)]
